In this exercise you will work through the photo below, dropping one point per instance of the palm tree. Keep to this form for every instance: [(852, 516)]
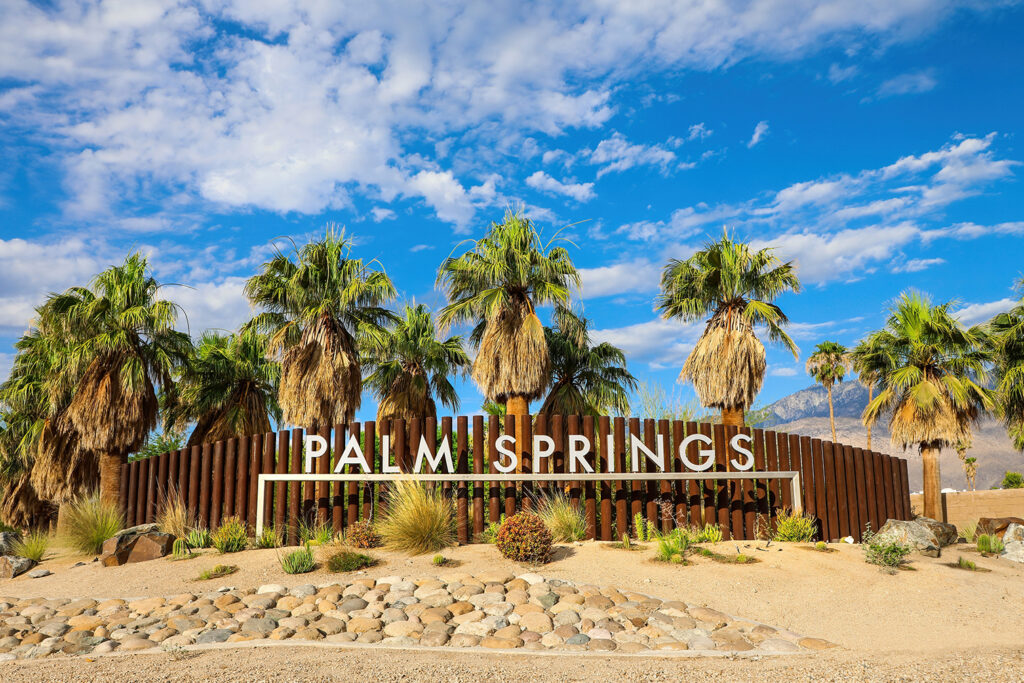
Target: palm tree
[(497, 286), (867, 361), (828, 365), (228, 388), (586, 378), (970, 471), (736, 287), (123, 349), (1007, 343), (410, 367), (932, 383), (316, 302)]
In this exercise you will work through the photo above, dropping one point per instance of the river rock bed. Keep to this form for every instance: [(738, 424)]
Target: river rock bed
[(493, 610)]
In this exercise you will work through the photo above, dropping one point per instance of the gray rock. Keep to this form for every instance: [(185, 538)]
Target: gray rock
[(303, 591), (39, 573), (945, 534), (352, 604), (140, 529), (217, 635), (578, 639), (259, 625), (7, 541), (917, 536), (1014, 532), (547, 601), (1014, 551), (11, 566)]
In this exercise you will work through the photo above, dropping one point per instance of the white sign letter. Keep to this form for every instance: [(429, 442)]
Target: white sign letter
[(734, 442), (314, 452), (636, 445), (579, 446), (385, 456), (513, 459), (353, 455), (708, 454), (444, 452), (549, 446)]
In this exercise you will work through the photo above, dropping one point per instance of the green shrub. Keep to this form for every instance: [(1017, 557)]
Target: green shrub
[(566, 522), (317, 534), (964, 563), (347, 561), (180, 548), (362, 535), (525, 538), (418, 519), (969, 530), (709, 533), (217, 571), (32, 545), (89, 522), (990, 544), (231, 536), (1013, 480), (641, 527), (299, 561), (889, 556), (821, 545), (268, 538), (742, 559), (199, 538), (490, 534), (791, 527), (673, 544)]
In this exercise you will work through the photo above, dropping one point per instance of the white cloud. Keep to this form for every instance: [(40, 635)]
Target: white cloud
[(381, 214), (908, 84), (420, 247), (973, 314), (581, 192), (618, 154), (915, 265), (639, 275), (783, 371), (838, 74), (659, 342), (760, 130), (699, 131), (217, 304)]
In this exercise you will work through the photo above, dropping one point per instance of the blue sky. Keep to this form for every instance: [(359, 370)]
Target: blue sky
[(874, 143)]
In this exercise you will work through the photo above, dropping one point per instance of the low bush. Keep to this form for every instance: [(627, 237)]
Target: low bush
[(175, 518), (231, 536), (964, 563), (709, 533), (199, 538), (672, 545), (821, 545), (969, 530), (439, 560), (299, 561), (418, 519), (887, 555), (89, 522), (1013, 480), (32, 545), (524, 538), (268, 538), (791, 527), (566, 522), (217, 571), (490, 534), (990, 544), (362, 535), (641, 528), (347, 561), (317, 534)]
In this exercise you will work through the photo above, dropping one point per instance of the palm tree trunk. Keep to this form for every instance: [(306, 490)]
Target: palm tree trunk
[(871, 390), (110, 478), (832, 415), (519, 407), (62, 517), (932, 485), (732, 417)]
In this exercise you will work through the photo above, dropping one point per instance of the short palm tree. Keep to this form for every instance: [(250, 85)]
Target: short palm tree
[(586, 378), (932, 383), (124, 348), (867, 361), (1006, 334), (316, 302), (970, 471), (497, 286), (410, 367), (228, 388), (736, 286), (828, 365)]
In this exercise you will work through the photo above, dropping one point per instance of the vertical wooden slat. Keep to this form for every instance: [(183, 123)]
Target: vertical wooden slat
[(446, 433), (820, 498), (636, 506), (230, 471), (399, 444), (462, 467), (183, 468), (140, 498), (205, 481), (851, 491), (493, 490), (384, 431), (878, 490), (478, 468), (413, 428), (694, 487), (281, 487), (870, 492), (749, 489), (242, 478), (510, 487), (807, 478), (680, 494), (666, 502), (773, 488), (323, 488), (794, 458), (542, 465), (831, 489), (735, 489), (589, 501), (722, 515), (173, 466), (842, 490), (621, 489), (133, 492), (860, 473), (346, 497), (650, 487), (162, 482), (370, 454), (307, 508), (908, 513), (574, 487), (295, 489), (708, 485), (785, 465), (124, 493), (195, 467), (217, 485), (524, 447), (761, 503), (603, 431), (256, 468), (891, 487), (150, 510)]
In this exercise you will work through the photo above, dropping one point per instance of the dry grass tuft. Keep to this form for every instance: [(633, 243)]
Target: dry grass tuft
[(566, 522), (175, 518), (418, 520), (90, 522)]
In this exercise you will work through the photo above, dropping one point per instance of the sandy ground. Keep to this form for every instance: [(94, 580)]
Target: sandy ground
[(934, 623)]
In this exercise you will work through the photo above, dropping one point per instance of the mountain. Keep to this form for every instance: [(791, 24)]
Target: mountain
[(806, 412)]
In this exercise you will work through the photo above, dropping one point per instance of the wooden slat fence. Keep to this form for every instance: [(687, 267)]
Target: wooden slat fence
[(846, 489)]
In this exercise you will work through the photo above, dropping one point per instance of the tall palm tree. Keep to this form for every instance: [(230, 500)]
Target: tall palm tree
[(867, 361), (316, 301), (1007, 343), (497, 286), (932, 383), (586, 378), (828, 365), (410, 367), (228, 388), (124, 348), (970, 471), (736, 287)]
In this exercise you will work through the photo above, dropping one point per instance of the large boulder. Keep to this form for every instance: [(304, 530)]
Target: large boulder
[(12, 565), (996, 526), (1014, 532), (7, 541), (1014, 551), (136, 544), (917, 536), (945, 534)]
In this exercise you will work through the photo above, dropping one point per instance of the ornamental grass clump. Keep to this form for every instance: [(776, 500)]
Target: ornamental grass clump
[(525, 538), (709, 533), (348, 561), (990, 544), (268, 538), (89, 522), (362, 535), (199, 538), (566, 522), (231, 536), (299, 561), (673, 547), (317, 534), (32, 546), (890, 556), (791, 527), (174, 518), (418, 520)]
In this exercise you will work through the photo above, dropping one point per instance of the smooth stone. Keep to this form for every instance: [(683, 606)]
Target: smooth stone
[(132, 644), (578, 639), (602, 644), (537, 622), (272, 588), (39, 573), (501, 643), (217, 635), (434, 638), (464, 640)]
